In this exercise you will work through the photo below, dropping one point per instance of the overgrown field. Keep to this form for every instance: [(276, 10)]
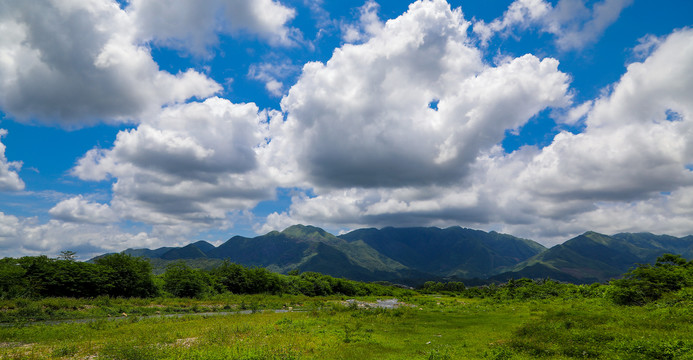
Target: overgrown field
[(428, 327)]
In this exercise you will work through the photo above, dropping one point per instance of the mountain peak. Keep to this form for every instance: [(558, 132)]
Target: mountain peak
[(204, 246), (593, 233), (408, 254), (304, 230)]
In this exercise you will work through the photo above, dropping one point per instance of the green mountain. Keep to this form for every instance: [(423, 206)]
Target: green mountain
[(404, 255), (190, 251), (156, 253), (593, 257), (451, 252), (417, 254)]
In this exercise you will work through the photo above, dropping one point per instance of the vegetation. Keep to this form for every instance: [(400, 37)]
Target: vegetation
[(427, 327), (113, 275), (415, 255), (644, 315), (647, 283), (400, 255), (120, 275)]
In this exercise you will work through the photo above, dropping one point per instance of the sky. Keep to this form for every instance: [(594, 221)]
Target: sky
[(148, 123)]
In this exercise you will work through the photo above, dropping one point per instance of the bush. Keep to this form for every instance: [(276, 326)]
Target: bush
[(127, 276), (182, 281), (647, 283)]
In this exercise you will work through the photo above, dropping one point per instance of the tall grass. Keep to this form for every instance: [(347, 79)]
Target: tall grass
[(432, 327)]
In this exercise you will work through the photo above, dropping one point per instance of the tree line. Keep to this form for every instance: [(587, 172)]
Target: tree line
[(121, 275), (669, 279)]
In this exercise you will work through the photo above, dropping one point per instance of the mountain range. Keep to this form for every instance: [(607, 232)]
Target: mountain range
[(417, 254)]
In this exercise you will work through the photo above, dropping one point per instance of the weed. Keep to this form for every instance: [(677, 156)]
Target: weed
[(500, 352), (284, 321), (437, 354), (132, 352), (65, 350), (456, 329)]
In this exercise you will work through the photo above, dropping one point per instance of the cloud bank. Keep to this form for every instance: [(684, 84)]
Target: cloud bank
[(191, 163), (632, 161), (402, 125), (366, 117)]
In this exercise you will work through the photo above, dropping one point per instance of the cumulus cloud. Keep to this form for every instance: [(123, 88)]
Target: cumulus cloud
[(26, 237), (629, 170), (521, 13), (76, 62), (368, 24), (191, 164), (633, 145), (573, 24), (9, 178), (412, 106), (401, 127), (195, 24), (79, 210)]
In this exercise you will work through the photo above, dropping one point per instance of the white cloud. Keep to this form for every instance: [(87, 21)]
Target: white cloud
[(520, 13), (191, 164), (79, 210), (574, 34), (9, 178), (646, 45), (77, 62), (573, 115), (366, 117), (195, 24), (573, 24), (271, 74), (630, 148), (402, 128), (368, 25), (629, 170), (26, 237), (9, 230)]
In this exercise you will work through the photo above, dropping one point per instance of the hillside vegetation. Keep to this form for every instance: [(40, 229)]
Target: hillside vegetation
[(645, 315), (415, 255), (121, 275)]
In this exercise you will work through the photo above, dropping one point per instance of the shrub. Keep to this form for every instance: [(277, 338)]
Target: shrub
[(647, 283), (182, 281), (126, 276)]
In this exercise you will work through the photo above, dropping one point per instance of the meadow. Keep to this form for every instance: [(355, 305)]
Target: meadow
[(426, 327), (192, 314)]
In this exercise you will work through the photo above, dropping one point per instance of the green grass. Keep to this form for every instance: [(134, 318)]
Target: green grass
[(435, 327), (24, 310)]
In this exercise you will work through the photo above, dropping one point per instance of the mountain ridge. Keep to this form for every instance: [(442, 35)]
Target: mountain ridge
[(415, 254)]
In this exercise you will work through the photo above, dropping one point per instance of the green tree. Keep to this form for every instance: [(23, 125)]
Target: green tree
[(70, 278), (126, 276), (647, 283), (182, 281), (12, 279), (38, 272), (232, 277)]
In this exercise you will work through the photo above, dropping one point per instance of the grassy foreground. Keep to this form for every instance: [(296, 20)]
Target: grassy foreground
[(433, 327)]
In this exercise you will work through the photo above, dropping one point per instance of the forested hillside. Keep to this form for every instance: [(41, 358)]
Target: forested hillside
[(415, 255)]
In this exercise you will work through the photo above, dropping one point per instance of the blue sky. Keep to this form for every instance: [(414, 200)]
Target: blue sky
[(143, 124)]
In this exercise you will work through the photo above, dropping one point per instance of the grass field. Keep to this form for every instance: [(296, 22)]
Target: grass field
[(431, 327)]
